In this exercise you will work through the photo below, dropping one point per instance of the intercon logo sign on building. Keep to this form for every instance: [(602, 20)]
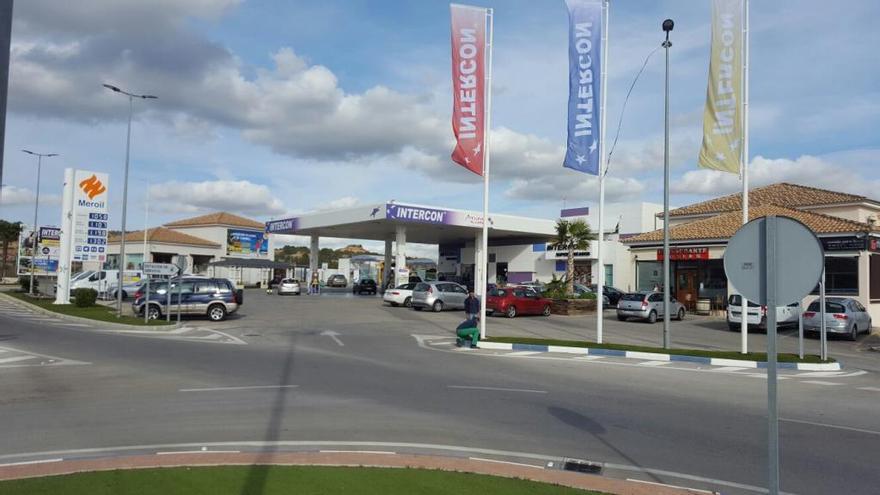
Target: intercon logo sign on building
[(90, 216), (421, 214)]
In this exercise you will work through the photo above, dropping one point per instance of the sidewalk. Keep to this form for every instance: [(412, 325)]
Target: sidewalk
[(350, 459)]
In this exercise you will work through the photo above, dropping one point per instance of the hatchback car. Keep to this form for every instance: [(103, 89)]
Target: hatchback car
[(757, 315), (214, 297), (364, 285), (400, 295), (438, 296), (288, 286), (337, 280), (843, 315), (647, 306), (611, 293), (513, 301)]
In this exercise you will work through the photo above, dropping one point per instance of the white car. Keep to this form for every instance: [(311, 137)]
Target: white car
[(400, 295), (757, 315), (288, 286)]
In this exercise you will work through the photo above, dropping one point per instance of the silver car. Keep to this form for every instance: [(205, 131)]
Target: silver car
[(843, 315), (288, 286), (438, 296), (647, 306)]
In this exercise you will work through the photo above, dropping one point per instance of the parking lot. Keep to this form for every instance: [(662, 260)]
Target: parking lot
[(264, 317)]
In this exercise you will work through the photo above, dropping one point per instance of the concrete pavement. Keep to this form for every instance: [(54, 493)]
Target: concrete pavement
[(293, 383)]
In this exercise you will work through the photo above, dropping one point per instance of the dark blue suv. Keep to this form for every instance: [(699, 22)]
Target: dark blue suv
[(214, 297)]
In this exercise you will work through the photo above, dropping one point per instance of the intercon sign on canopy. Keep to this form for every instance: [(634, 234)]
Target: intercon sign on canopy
[(421, 214), (90, 216)]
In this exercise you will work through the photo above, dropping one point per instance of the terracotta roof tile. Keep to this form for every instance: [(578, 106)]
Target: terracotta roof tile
[(782, 194), (725, 225), (164, 236), (218, 218)]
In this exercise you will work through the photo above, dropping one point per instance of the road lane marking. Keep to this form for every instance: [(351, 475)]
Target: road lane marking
[(826, 425), (728, 369), (333, 335), (380, 452), (522, 353), (820, 382), (497, 389), (505, 462), (250, 387), (676, 487), (654, 363), (15, 359), (870, 389), (171, 452), (26, 463)]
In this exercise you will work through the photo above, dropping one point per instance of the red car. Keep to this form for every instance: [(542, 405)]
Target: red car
[(512, 301)]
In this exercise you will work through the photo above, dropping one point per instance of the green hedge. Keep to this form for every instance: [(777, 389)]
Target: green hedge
[(84, 298)]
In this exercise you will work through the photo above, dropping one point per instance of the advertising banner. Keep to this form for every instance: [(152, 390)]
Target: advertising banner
[(421, 214), (27, 242), (468, 85), (722, 117), (48, 251), (90, 216), (283, 226), (584, 85), (246, 243)]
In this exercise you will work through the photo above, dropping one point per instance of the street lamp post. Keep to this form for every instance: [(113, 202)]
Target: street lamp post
[(36, 211), (667, 27), (131, 97)]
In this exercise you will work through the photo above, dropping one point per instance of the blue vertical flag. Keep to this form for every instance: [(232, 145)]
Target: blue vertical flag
[(584, 88)]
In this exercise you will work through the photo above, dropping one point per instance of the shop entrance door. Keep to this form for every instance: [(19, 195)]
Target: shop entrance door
[(686, 288)]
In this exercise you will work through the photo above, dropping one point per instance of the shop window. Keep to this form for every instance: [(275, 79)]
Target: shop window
[(841, 276), (875, 277), (609, 275), (491, 257), (649, 275)]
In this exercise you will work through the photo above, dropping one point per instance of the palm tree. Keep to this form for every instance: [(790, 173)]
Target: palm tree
[(571, 236), (9, 232)]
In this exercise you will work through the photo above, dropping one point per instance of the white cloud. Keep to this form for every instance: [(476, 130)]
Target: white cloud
[(13, 196), (821, 172), (574, 185), (241, 196), (338, 203)]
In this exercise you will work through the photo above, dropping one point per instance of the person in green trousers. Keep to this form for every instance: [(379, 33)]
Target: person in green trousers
[(469, 329)]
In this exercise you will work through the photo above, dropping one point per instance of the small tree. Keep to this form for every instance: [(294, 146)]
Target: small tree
[(571, 236), (9, 232)]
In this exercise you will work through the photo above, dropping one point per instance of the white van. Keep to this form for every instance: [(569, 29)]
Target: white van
[(105, 282), (757, 315)]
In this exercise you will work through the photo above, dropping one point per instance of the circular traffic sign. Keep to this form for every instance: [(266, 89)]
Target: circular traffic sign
[(797, 261)]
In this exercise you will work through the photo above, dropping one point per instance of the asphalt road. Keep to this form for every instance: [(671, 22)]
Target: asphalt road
[(345, 369)]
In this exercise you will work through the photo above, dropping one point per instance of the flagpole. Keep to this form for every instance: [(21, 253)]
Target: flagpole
[(603, 163), (744, 162), (484, 271)]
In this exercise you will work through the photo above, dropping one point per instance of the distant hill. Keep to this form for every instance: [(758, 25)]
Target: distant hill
[(299, 255)]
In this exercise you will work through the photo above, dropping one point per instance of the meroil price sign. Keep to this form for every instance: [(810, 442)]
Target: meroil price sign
[(90, 216)]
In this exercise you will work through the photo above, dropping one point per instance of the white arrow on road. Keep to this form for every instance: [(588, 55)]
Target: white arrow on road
[(333, 335)]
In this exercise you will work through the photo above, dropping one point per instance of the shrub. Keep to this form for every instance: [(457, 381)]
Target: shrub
[(25, 282), (84, 298)]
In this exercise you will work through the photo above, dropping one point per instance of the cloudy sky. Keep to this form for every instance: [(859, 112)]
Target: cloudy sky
[(271, 107)]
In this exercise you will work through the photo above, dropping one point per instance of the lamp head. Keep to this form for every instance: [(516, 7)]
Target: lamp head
[(668, 24), (112, 88)]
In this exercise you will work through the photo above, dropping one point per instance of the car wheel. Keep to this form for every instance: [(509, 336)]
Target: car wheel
[(546, 311), (437, 307), (154, 313), (652, 317), (124, 295), (216, 312), (680, 314), (854, 333), (407, 302), (511, 312)]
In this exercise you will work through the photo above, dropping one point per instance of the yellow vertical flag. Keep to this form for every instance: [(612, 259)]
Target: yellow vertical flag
[(722, 118)]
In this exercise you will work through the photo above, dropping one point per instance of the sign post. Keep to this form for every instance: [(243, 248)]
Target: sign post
[(181, 268), (774, 261)]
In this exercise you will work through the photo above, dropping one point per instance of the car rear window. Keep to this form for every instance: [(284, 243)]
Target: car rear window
[(422, 287), (288, 281), (830, 307), (736, 300), (633, 296), (207, 286)]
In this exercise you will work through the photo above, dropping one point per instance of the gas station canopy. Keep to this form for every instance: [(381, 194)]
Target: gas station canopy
[(424, 225)]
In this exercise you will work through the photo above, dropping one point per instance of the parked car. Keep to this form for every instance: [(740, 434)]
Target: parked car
[(363, 285), (757, 314), (534, 285), (611, 293), (843, 315), (105, 281), (580, 289), (337, 280), (518, 300), (400, 295), (214, 297), (438, 296), (288, 286), (648, 306)]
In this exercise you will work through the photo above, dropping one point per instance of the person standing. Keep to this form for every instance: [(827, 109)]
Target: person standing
[(472, 306)]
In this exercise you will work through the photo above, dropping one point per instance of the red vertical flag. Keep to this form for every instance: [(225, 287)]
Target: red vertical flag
[(468, 85)]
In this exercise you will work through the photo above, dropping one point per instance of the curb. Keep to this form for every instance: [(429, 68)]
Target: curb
[(586, 351), (77, 319), (55, 467)]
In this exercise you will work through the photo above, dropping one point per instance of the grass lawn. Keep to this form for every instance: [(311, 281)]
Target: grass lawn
[(752, 356), (97, 312), (278, 480)]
